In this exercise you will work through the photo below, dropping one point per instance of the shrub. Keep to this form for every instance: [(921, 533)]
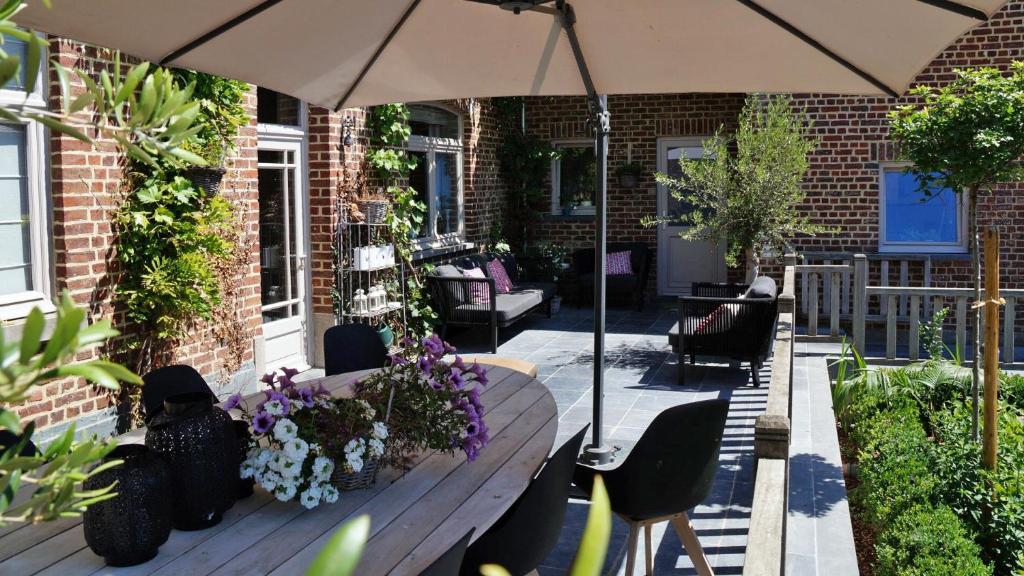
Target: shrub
[(896, 462), (926, 541)]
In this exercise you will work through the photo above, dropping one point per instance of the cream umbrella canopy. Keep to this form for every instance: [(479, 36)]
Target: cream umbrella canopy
[(344, 53)]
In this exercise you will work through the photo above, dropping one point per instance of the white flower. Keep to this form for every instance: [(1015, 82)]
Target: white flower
[(330, 494), (354, 463), (296, 449), (285, 430), (380, 431), (289, 468), (247, 470), (323, 467), (367, 409), (308, 500), (285, 492), (376, 447), (274, 408), (354, 446), (263, 457), (270, 481), (314, 447)]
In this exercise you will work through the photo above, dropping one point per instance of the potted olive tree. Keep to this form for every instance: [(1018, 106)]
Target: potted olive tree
[(221, 114)]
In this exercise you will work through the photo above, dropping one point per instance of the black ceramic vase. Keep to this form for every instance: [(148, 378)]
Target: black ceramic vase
[(197, 440), (244, 437), (129, 528)]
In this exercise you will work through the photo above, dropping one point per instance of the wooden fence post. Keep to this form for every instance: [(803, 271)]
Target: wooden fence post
[(860, 300), (991, 304)]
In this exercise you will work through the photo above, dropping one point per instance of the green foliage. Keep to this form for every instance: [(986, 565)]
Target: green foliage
[(169, 239), (544, 261), (749, 198), (341, 554), (54, 475), (930, 334), (629, 169), (926, 541), (221, 113), (967, 134), (390, 126), (594, 544)]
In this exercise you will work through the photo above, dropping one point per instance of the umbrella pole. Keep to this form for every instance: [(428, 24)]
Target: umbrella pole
[(597, 452)]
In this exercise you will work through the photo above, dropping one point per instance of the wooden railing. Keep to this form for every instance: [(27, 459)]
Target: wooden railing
[(838, 290), (766, 536)]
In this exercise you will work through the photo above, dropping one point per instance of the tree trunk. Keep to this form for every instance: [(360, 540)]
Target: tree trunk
[(976, 264), (753, 264)]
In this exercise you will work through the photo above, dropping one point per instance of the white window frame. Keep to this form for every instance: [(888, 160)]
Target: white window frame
[(556, 175), (15, 307), (958, 247), (431, 145)]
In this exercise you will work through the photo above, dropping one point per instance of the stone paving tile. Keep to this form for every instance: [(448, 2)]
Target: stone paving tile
[(640, 382)]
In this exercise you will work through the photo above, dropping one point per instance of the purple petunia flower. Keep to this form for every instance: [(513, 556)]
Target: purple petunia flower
[(473, 428), (306, 395), (232, 402), (459, 363), (434, 345), (435, 384), (457, 381), (268, 378), (425, 365), (262, 422), (397, 359), (407, 342), (289, 373), (285, 403)]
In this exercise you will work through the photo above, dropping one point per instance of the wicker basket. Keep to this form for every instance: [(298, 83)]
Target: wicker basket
[(209, 179), (362, 479), (374, 210)]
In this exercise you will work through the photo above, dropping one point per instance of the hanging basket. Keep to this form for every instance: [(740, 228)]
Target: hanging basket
[(355, 481), (205, 177), (375, 210)]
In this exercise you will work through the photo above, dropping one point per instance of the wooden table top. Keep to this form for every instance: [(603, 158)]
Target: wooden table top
[(414, 518)]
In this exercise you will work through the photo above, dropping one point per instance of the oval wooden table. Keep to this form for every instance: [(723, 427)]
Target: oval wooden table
[(415, 517)]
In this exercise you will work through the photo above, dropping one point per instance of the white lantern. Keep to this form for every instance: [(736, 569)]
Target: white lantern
[(360, 302)]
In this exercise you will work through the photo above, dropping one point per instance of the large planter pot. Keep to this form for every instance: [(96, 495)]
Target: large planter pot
[(197, 440), (244, 437), (129, 528), (628, 180), (206, 177)]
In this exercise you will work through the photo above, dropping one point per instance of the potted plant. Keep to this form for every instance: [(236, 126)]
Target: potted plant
[(373, 204), (432, 403), (583, 199), (221, 114), (629, 174)]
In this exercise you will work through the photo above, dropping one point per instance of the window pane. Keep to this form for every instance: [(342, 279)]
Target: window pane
[(676, 208), (577, 176), (418, 182), (446, 188), (276, 108), (14, 47), (16, 255), (911, 216), (275, 241), (435, 122)]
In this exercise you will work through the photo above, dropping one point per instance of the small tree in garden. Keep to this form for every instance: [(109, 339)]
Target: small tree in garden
[(749, 198), (966, 136)]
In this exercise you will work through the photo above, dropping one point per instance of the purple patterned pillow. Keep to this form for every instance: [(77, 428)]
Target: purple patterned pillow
[(502, 283), (618, 263), (478, 291)]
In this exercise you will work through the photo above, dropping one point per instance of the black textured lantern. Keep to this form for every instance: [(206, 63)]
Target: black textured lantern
[(197, 440), (129, 528)]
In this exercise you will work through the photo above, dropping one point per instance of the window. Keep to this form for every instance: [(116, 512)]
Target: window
[(24, 204), (573, 177), (276, 108), (436, 142), (913, 221)]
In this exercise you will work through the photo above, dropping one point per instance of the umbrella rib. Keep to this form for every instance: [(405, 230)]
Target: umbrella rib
[(804, 37), (380, 50), (219, 30), (957, 8)]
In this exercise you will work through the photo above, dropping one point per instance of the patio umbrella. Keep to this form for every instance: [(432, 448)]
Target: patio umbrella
[(344, 53)]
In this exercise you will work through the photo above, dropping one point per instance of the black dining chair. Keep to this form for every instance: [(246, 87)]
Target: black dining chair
[(161, 383), (669, 471), (352, 347), (448, 564), (524, 536)]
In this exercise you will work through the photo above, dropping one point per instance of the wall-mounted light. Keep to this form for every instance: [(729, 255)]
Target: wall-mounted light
[(347, 125)]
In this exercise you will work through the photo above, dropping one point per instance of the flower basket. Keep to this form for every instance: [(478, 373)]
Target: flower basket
[(375, 210), (357, 480), (209, 179)]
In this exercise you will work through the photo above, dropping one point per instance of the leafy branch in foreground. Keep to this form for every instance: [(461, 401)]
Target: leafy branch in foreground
[(143, 110), (52, 476)]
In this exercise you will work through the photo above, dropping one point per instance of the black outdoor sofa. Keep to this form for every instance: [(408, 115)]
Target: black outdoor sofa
[(624, 286), (731, 320), (450, 293)]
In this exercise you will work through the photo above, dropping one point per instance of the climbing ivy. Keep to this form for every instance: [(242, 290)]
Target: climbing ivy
[(392, 164)]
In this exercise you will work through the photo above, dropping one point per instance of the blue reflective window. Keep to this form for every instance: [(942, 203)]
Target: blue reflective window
[(913, 218)]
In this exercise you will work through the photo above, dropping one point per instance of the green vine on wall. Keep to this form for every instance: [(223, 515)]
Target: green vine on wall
[(390, 131)]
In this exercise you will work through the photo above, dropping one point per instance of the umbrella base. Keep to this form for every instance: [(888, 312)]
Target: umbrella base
[(597, 455)]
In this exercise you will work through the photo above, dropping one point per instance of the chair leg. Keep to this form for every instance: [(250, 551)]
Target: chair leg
[(647, 550), (755, 373), (494, 339), (634, 535), (692, 544)]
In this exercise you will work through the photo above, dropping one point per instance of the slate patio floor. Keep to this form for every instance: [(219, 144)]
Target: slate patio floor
[(640, 382)]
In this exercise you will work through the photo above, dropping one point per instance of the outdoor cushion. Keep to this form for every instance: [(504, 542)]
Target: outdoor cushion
[(509, 306), (479, 291), (618, 263), (719, 320), (761, 287), (456, 292), (547, 289), (502, 283)]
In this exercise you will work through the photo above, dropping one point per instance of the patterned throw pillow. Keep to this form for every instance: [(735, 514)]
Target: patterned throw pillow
[(618, 263), (502, 283), (477, 290), (720, 320)]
